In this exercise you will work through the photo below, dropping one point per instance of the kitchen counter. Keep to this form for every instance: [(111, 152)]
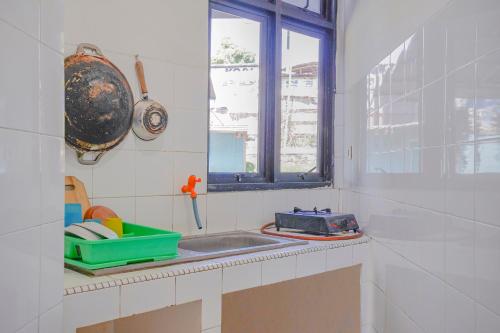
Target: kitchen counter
[(89, 300)]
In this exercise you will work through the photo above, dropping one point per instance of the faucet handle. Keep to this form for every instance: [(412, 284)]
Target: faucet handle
[(190, 186)]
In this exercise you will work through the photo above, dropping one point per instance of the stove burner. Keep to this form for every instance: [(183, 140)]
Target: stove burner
[(319, 222), (315, 210)]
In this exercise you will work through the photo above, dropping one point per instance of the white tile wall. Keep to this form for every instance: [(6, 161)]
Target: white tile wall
[(425, 175), (206, 286), (32, 166), (146, 296), (148, 175)]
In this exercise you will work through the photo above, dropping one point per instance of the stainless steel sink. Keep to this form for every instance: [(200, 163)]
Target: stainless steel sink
[(197, 248), (226, 242), (194, 248)]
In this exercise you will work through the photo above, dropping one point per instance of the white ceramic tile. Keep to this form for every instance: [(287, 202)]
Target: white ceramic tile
[(206, 286), (80, 171), (378, 309), (400, 274), (460, 314), (191, 88), (31, 327), (434, 48), (320, 198), (74, 279), (19, 180), (366, 304), (433, 112), (20, 259), (160, 80), (398, 72), (90, 308), (398, 322), (114, 174), (146, 296), (273, 202), (222, 212), (460, 33), (51, 92), (488, 29), (338, 148), (52, 320), (190, 130), (338, 169), (24, 15), (311, 263), (430, 314), (213, 330), (361, 254), (153, 173), (460, 180), (165, 142), (486, 321), (19, 82), (124, 207), (432, 184), (487, 97), (249, 213), (460, 254), (52, 178), (414, 54), (487, 266), (183, 218), (186, 164), (339, 108), (339, 257), (487, 180), (278, 270), (51, 267), (460, 104), (368, 329), (154, 211), (241, 277), (299, 198), (52, 23), (384, 81), (163, 18)]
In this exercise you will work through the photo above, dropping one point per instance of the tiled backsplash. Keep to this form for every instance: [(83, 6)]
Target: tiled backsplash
[(142, 180), (424, 125), (31, 166)]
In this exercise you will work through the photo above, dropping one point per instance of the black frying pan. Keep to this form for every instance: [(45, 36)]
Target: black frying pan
[(99, 103)]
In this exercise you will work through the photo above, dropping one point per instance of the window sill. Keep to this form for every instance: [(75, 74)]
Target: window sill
[(233, 187)]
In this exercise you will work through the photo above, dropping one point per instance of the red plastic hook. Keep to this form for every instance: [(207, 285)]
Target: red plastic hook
[(190, 186)]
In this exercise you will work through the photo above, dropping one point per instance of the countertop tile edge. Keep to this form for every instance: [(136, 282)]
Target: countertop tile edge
[(314, 246)]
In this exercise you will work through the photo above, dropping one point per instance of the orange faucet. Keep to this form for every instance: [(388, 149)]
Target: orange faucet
[(190, 186)]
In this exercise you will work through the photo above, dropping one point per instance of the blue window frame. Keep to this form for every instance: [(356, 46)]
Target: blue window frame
[(270, 162)]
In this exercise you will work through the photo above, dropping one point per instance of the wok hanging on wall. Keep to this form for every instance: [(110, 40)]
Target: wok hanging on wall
[(99, 103)]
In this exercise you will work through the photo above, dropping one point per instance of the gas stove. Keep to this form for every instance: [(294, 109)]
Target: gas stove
[(317, 222)]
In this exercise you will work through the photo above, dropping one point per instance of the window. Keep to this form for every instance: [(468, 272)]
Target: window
[(271, 94)]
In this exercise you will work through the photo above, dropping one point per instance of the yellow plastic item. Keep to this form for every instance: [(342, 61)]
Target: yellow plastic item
[(115, 224)]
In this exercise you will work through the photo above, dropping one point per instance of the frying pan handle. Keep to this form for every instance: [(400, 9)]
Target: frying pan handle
[(139, 69), (80, 49), (84, 161)]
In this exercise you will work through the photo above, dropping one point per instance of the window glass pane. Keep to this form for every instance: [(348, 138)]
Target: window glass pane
[(234, 94), (299, 102), (312, 5)]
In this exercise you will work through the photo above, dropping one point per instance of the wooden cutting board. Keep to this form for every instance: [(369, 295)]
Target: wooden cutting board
[(75, 193)]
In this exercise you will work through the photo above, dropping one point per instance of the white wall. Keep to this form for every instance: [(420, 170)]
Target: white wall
[(142, 180), (425, 176), (31, 166)]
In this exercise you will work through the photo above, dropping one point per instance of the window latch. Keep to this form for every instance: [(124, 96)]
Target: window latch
[(238, 178)]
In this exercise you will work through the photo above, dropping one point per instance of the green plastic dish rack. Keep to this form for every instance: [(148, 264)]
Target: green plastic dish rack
[(138, 244)]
